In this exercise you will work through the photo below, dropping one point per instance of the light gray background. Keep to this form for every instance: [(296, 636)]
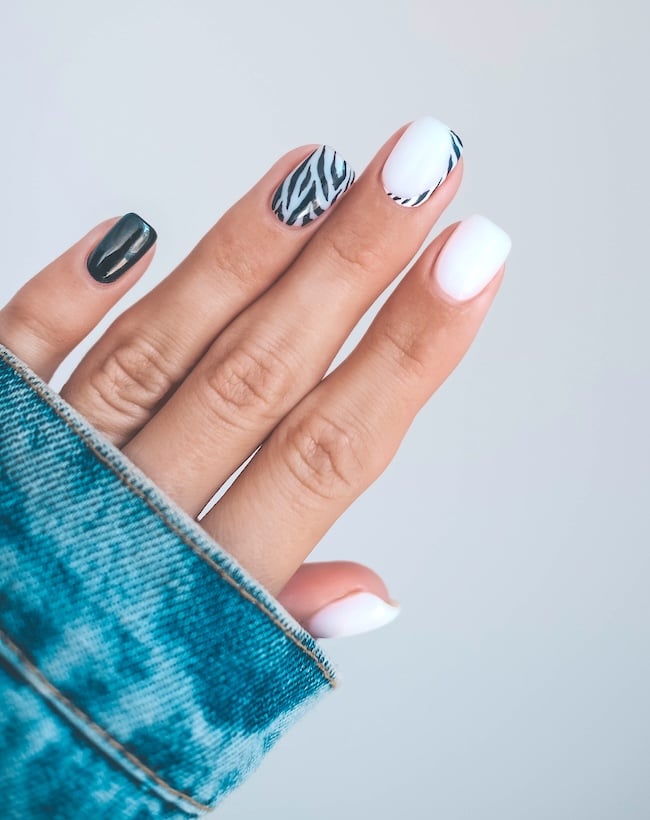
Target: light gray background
[(513, 524)]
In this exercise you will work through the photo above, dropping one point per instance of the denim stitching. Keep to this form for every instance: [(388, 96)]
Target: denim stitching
[(184, 538), (94, 726)]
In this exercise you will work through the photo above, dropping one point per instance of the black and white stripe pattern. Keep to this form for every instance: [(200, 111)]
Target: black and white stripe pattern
[(312, 187), (454, 156)]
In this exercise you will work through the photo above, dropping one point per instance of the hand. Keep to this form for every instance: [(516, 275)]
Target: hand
[(229, 351)]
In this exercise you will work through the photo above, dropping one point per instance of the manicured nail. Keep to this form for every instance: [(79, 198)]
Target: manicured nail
[(126, 242), (352, 615), (471, 257), (312, 187), (420, 161)]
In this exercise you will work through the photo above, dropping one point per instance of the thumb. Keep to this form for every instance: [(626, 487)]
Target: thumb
[(338, 598)]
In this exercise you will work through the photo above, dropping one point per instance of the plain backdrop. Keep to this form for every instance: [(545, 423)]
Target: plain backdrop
[(513, 525)]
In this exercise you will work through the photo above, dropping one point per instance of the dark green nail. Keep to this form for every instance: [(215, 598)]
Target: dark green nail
[(126, 242)]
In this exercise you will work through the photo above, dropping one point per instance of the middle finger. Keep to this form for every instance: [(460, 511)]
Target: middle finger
[(151, 347), (268, 358)]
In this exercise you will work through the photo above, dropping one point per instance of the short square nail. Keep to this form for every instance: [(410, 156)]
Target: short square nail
[(471, 257), (312, 187), (126, 242), (420, 162)]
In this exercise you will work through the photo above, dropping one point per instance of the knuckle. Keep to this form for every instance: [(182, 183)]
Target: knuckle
[(352, 250), (18, 320), (224, 253), (402, 346), (327, 460), (133, 377), (251, 383)]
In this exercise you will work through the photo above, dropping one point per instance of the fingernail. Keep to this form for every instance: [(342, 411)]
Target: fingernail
[(126, 242), (352, 615), (471, 257), (312, 187), (420, 161)]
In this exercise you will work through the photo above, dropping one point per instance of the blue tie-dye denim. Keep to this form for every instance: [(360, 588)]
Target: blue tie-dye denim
[(143, 673)]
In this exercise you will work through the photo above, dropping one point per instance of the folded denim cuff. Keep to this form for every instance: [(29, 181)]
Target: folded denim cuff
[(128, 620)]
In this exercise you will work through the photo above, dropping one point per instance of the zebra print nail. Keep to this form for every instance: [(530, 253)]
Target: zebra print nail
[(424, 156), (454, 156), (312, 187)]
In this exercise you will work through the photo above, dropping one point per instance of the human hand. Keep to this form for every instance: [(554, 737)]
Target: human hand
[(229, 352)]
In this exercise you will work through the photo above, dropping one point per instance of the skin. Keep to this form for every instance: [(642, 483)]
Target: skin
[(229, 351)]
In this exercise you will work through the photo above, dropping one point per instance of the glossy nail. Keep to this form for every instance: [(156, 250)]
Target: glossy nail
[(311, 188), (471, 257), (126, 242), (352, 615), (421, 160)]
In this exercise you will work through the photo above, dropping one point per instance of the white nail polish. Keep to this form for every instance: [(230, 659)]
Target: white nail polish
[(352, 615), (471, 257), (420, 161)]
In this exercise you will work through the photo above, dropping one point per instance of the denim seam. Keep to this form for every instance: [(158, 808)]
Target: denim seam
[(58, 695), (184, 538)]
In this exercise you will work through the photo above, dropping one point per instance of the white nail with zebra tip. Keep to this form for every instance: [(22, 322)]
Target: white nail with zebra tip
[(423, 157), (471, 257), (352, 615), (312, 187)]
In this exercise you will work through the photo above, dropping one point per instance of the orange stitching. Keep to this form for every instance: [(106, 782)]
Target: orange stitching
[(194, 547), (84, 717)]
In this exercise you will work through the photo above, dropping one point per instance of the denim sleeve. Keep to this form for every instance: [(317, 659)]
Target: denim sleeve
[(143, 673)]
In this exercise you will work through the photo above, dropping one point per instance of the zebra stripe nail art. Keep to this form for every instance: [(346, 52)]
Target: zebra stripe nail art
[(311, 188), (423, 157), (454, 156)]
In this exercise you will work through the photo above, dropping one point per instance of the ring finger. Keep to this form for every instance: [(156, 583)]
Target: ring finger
[(279, 348), (339, 439)]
